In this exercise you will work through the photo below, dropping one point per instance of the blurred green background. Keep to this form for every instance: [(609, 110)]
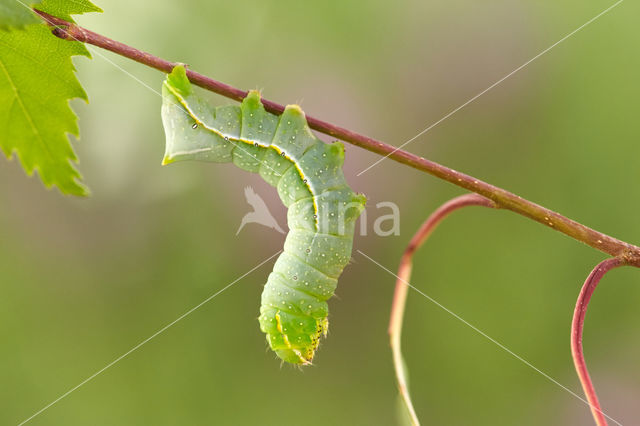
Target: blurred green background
[(85, 280)]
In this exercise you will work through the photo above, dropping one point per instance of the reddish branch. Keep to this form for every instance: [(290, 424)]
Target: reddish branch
[(499, 196), (576, 334)]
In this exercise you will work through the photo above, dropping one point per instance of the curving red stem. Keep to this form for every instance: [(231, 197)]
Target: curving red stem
[(577, 326)]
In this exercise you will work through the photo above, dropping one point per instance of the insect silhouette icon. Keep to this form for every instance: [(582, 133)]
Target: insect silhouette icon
[(260, 214)]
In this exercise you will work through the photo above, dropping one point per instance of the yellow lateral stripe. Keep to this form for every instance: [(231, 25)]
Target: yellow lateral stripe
[(278, 322), (305, 181), (279, 327)]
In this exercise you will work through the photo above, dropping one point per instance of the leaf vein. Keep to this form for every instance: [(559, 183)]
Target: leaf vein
[(25, 111)]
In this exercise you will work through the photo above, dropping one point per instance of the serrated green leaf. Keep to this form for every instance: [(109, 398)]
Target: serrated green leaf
[(37, 81), (17, 13), (63, 9)]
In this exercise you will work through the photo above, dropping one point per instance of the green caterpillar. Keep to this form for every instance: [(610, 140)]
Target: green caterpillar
[(308, 176)]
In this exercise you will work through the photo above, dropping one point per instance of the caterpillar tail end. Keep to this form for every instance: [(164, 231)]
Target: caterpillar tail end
[(295, 345), (167, 160)]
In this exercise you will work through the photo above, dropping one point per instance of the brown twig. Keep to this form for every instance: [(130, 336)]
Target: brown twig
[(505, 199), (577, 326), (402, 286)]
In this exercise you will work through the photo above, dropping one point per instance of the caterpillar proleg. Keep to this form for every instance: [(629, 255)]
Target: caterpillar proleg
[(308, 176)]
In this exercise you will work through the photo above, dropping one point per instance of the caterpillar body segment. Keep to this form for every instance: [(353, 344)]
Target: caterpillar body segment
[(307, 174)]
